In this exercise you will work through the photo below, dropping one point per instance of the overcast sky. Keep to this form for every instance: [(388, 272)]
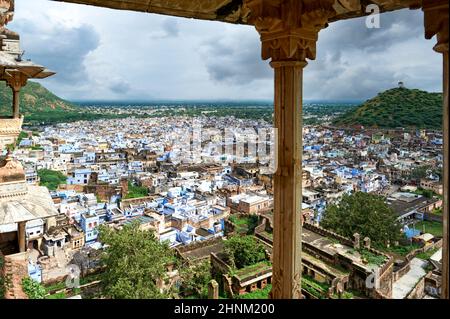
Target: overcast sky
[(103, 54)]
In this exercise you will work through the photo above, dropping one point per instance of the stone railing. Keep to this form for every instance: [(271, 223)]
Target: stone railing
[(11, 125), (10, 129)]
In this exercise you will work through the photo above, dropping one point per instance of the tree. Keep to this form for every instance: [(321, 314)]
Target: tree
[(420, 172), (365, 214), (51, 179), (195, 279), (33, 289), (134, 261), (244, 251)]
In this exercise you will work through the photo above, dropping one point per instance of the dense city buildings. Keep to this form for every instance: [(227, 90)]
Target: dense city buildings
[(228, 206)]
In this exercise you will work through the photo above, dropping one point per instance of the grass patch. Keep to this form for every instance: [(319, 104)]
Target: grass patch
[(258, 294), (372, 258), (432, 227), (244, 224), (427, 254), (401, 250), (252, 269), (314, 287), (60, 295), (136, 191)]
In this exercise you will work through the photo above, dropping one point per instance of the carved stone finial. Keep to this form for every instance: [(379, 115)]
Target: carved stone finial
[(6, 11), (6, 16), (289, 28), (436, 22)]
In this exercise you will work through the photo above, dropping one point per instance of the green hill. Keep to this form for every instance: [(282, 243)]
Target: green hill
[(40, 106), (399, 107), (33, 98)]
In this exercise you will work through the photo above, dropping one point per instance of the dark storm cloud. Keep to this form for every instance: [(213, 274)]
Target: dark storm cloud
[(355, 62), (351, 60), (353, 34), (120, 87), (210, 60), (62, 49), (236, 59)]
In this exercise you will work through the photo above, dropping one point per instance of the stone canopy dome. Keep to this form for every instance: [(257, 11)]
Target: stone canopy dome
[(11, 171)]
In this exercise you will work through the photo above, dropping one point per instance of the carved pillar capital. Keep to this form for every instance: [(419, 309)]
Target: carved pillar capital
[(15, 79), (436, 22), (289, 28)]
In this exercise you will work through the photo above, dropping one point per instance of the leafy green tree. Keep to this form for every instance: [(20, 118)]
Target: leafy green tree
[(420, 172), (33, 289), (244, 251), (134, 261), (365, 214), (51, 179), (195, 279)]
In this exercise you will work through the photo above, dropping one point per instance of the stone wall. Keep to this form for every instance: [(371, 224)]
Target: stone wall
[(432, 217), (15, 268), (401, 272), (328, 233), (198, 244), (412, 254), (418, 290)]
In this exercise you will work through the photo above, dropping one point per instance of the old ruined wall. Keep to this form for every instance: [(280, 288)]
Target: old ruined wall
[(15, 268), (418, 291)]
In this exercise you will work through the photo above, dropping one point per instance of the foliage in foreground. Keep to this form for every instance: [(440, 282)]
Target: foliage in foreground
[(243, 251), (365, 214), (195, 279), (134, 261), (257, 294), (33, 289)]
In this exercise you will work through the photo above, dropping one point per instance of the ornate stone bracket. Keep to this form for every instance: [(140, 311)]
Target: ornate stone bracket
[(436, 22), (289, 28), (15, 79)]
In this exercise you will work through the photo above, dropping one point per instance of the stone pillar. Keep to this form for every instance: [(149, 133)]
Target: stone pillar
[(16, 80), (213, 290), (436, 20), (16, 104), (356, 241), (367, 242), (21, 236), (289, 32)]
